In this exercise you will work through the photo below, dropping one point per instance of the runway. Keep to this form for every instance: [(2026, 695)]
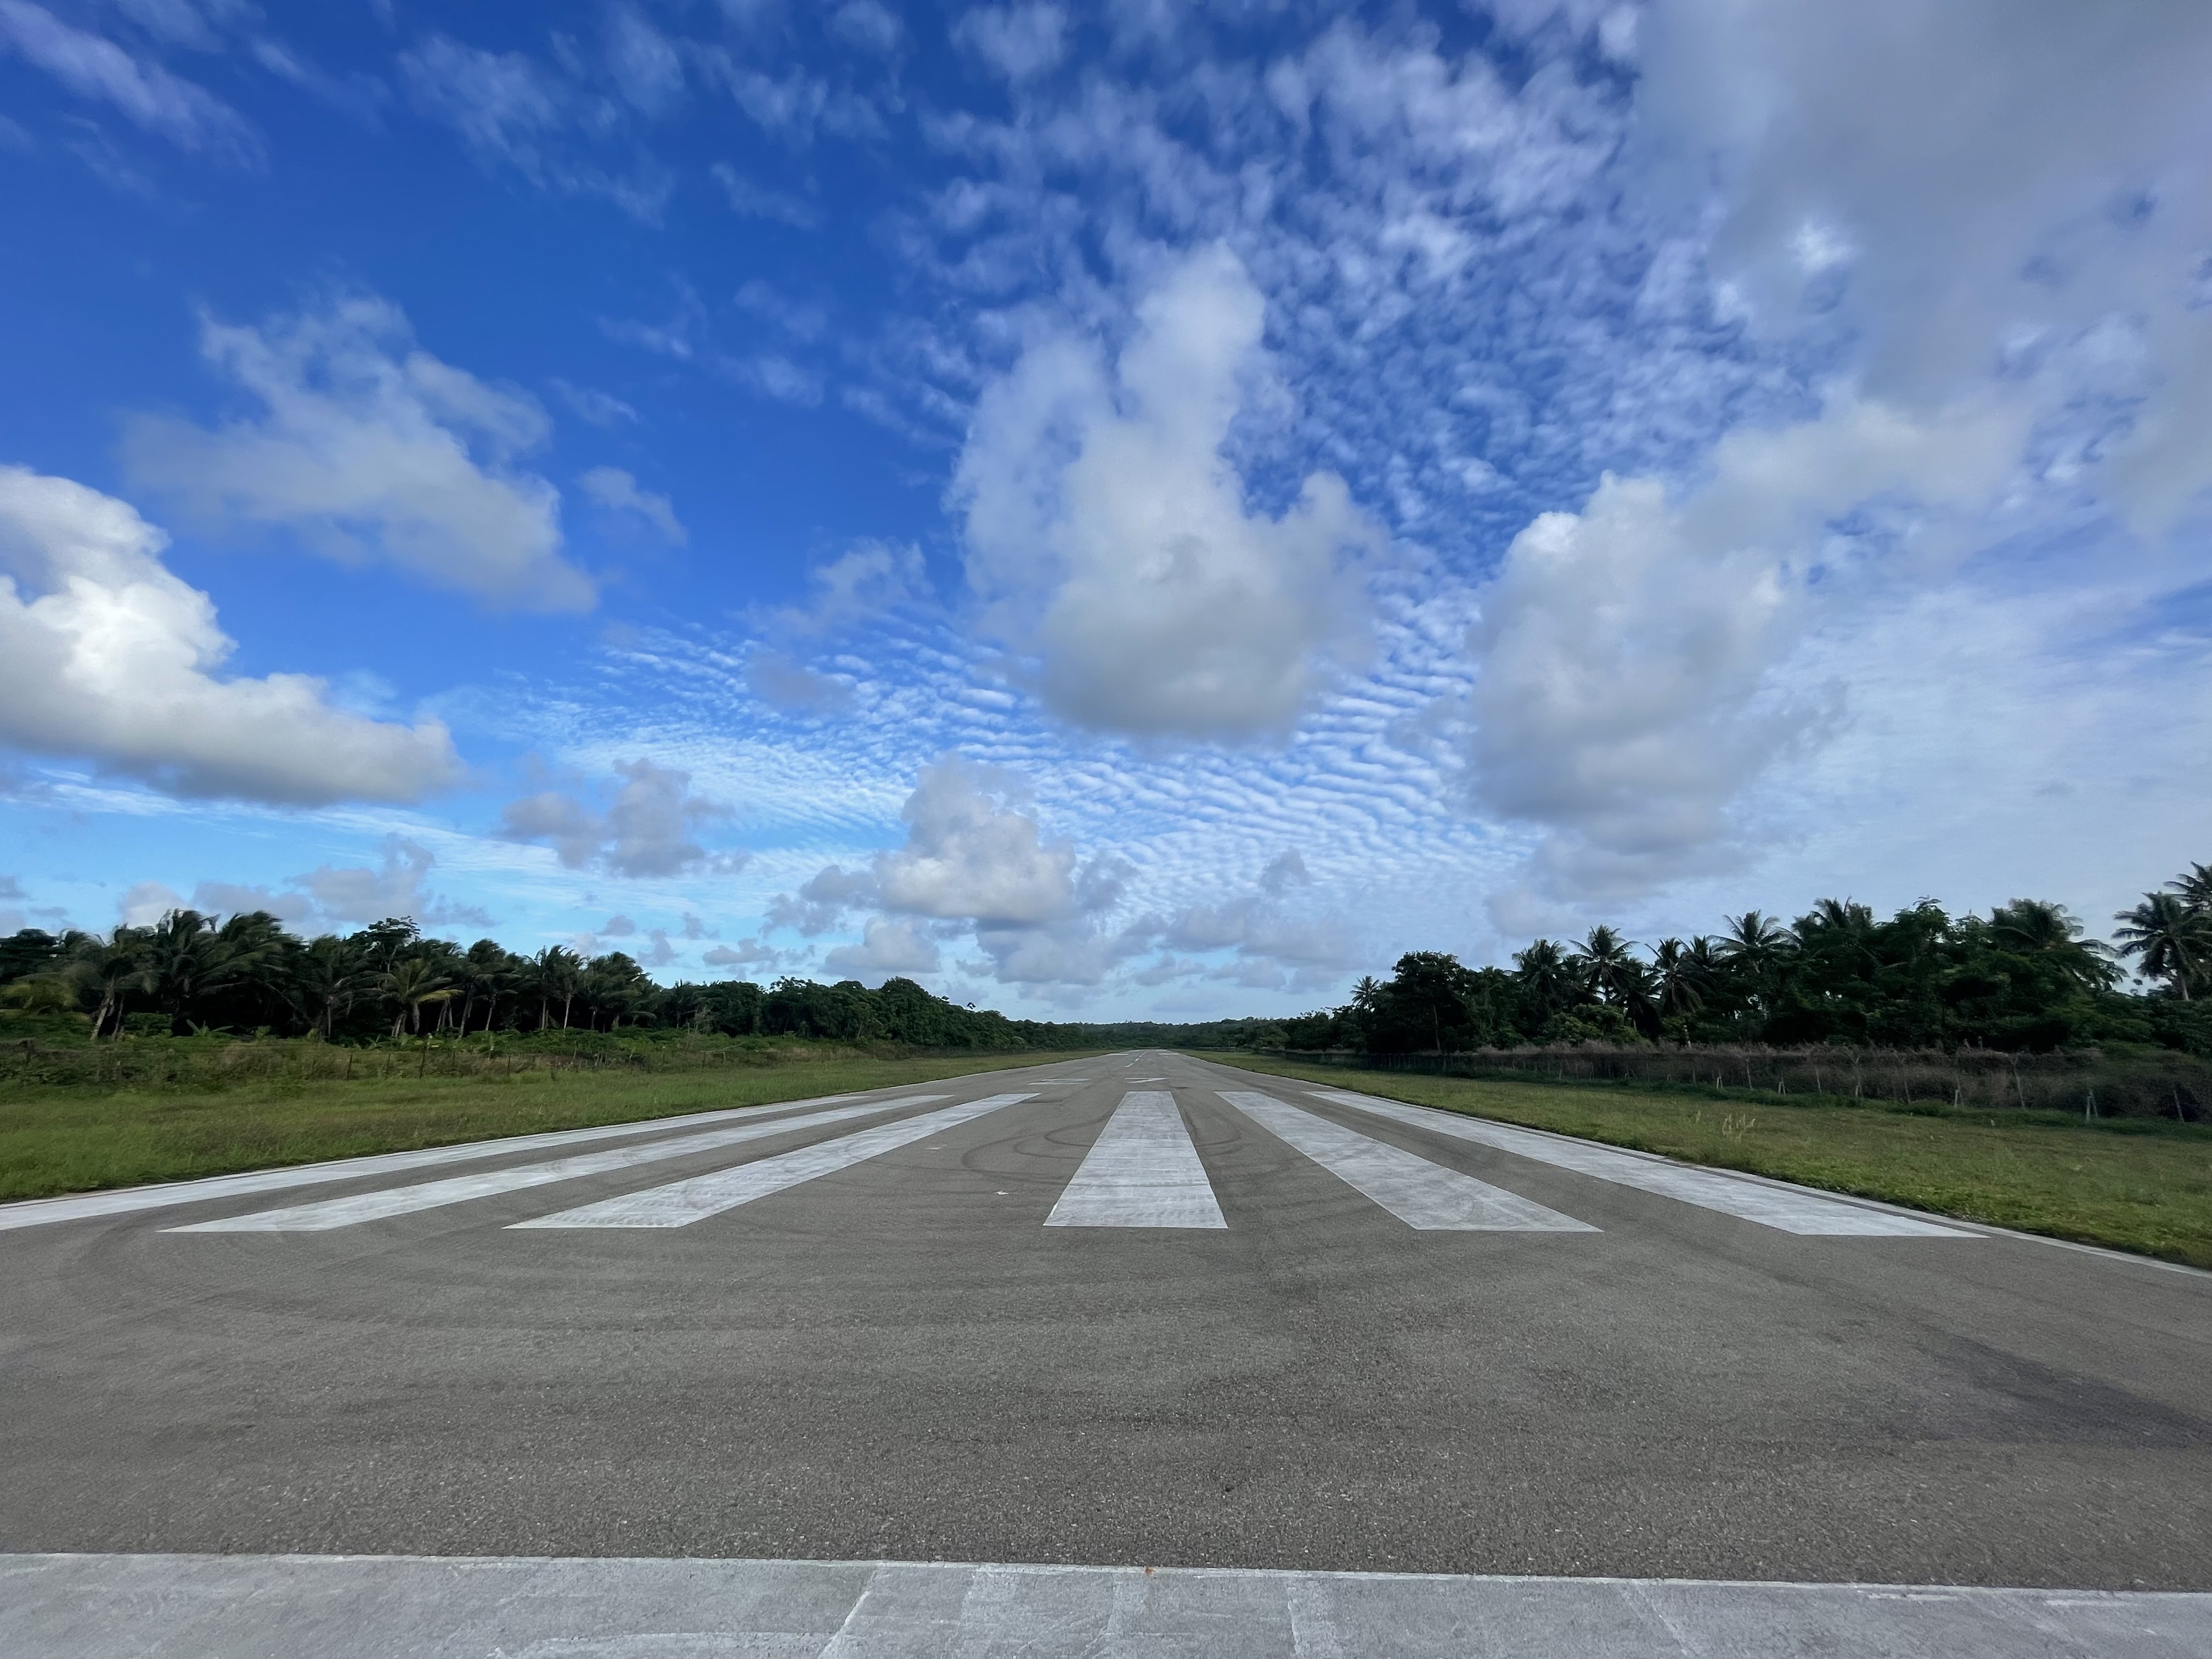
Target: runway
[(1144, 1311)]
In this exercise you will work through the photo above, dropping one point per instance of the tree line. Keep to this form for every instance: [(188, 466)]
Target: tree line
[(2023, 978), (245, 974)]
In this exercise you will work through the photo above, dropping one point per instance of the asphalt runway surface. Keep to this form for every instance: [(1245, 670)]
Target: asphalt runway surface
[(1143, 1310)]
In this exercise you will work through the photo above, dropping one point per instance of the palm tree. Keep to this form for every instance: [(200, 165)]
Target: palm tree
[(2195, 888), (2169, 938), (112, 968), (185, 960), (1680, 979), (1755, 944), (1546, 973), (327, 976), (2036, 927), (1607, 972), (553, 972), (483, 972), (412, 983)]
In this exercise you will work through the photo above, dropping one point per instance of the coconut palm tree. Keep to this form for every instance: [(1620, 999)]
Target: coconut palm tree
[(113, 969), (555, 973), (184, 961), (2195, 888), (324, 983), (2036, 927), (413, 984), (2168, 940), (1546, 975), (1607, 971), (1677, 979)]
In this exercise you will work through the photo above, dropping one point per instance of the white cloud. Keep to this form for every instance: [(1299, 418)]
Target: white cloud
[(95, 68), (511, 110), (646, 830), (601, 408), (887, 948), (1627, 693), (1109, 539), (970, 853), (617, 491), (359, 893), (775, 678), (1018, 41), (868, 24), (1995, 182), (746, 953), (370, 448), (644, 62), (104, 654), (225, 898), (146, 903), (757, 202)]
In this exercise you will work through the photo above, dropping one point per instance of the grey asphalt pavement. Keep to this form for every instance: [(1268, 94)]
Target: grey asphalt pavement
[(1402, 1352)]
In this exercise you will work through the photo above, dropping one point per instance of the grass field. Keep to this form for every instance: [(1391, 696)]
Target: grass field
[(71, 1138), (2131, 1184)]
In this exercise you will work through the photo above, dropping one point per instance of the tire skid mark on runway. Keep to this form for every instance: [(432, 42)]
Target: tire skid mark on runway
[(1142, 1172), (1424, 1195), (683, 1202), (1804, 1212), (352, 1211)]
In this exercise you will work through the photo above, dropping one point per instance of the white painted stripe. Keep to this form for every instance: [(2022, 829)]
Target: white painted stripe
[(352, 1211), (1422, 1195), (683, 1202), (1790, 1210), (84, 1206), (1142, 1172)]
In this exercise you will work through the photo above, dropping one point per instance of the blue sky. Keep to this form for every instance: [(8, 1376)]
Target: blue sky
[(1153, 509)]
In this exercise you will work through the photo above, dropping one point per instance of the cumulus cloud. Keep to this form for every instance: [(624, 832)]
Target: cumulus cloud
[(397, 888), (104, 654), (972, 853), (1110, 540), (887, 948), (372, 449), (96, 68), (146, 903), (745, 953), (821, 902), (617, 492), (1627, 691), (227, 898), (646, 829)]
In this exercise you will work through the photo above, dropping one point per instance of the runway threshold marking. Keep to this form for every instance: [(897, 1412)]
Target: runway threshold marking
[(352, 1211), (683, 1202), (1802, 1212), (82, 1206), (1142, 1172), (1423, 1195)]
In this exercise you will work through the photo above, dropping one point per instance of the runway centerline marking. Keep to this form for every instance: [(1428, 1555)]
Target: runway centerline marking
[(1142, 1172), (458, 1189), (683, 1202), (1802, 1212), (1423, 1195)]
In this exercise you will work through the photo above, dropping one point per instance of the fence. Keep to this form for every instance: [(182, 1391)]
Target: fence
[(2082, 1083)]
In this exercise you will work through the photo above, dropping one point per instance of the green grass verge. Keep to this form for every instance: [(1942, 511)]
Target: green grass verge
[(69, 1139), (2128, 1184)]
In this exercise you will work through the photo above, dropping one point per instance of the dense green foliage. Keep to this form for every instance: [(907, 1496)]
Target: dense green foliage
[(2020, 979), (389, 982)]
